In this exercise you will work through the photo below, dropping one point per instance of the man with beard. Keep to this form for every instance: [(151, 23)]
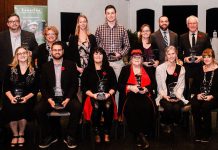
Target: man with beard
[(113, 38), (192, 45), (163, 38), (59, 88), (11, 39)]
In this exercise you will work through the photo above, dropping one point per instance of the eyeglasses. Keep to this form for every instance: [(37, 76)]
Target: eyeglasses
[(146, 31), (57, 50), (136, 57), (13, 21), (50, 34), (23, 53), (207, 56)]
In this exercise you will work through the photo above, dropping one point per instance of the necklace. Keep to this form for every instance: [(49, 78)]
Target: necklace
[(210, 82)]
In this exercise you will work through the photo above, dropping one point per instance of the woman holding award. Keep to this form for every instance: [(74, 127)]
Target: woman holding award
[(205, 97), (99, 84), (170, 85), (20, 88), (136, 102)]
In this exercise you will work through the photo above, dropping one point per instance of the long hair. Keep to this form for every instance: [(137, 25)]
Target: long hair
[(140, 36), (105, 63), (15, 61), (78, 27)]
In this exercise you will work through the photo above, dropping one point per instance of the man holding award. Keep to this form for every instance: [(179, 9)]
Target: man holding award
[(59, 85), (192, 45)]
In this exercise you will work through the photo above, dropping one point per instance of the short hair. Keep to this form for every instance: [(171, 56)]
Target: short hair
[(208, 52), (191, 17), (53, 28), (13, 15), (171, 47), (109, 7), (162, 17), (58, 43)]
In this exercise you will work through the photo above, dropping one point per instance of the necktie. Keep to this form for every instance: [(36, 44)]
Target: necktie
[(193, 40), (165, 38)]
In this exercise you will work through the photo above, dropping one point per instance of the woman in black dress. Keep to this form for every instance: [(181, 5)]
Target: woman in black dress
[(20, 88), (99, 84), (136, 102), (205, 98)]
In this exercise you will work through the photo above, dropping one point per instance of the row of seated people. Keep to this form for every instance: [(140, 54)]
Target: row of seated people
[(59, 85)]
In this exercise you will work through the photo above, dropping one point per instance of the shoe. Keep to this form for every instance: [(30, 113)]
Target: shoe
[(106, 138), (204, 140), (167, 129), (70, 142), (97, 138), (138, 142), (21, 138), (144, 141), (47, 142), (13, 144)]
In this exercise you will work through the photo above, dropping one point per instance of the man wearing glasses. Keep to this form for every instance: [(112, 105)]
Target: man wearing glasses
[(11, 39)]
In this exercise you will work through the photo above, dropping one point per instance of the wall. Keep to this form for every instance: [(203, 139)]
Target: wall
[(157, 6), (93, 9)]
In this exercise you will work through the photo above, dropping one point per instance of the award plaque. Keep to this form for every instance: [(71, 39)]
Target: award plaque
[(18, 92), (58, 98), (101, 90), (171, 90), (150, 60), (138, 79), (205, 89), (192, 57)]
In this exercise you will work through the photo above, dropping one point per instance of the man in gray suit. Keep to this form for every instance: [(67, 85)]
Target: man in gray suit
[(11, 39), (163, 37)]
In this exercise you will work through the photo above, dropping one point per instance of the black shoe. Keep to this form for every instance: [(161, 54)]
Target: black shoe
[(205, 140), (70, 142), (144, 142), (167, 129), (47, 142)]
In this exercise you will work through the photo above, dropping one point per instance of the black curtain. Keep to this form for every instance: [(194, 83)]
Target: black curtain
[(211, 21), (145, 16)]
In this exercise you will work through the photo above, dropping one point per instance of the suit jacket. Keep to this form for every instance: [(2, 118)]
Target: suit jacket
[(161, 76), (202, 43), (6, 54), (73, 46), (69, 80), (157, 41)]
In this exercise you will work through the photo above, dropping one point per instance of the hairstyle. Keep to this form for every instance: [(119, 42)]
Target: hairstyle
[(191, 17), (208, 52), (105, 63), (168, 48), (15, 62), (53, 28), (58, 43), (78, 27), (109, 7), (13, 15), (140, 35), (136, 52), (162, 17)]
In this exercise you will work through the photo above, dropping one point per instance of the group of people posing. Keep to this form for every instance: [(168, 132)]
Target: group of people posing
[(163, 71)]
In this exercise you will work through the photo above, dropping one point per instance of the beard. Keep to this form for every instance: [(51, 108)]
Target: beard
[(57, 57)]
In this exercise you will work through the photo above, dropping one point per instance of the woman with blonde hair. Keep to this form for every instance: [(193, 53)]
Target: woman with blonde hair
[(20, 88), (82, 43)]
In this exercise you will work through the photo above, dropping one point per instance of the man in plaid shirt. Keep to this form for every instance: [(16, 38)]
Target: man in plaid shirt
[(113, 38)]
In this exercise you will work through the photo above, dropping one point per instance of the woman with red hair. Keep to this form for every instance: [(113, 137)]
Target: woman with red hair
[(135, 101)]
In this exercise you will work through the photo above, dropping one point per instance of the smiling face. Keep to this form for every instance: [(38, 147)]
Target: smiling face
[(13, 23), (136, 60), (171, 55), (82, 22), (98, 57), (192, 24), (50, 36), (22, 55), (145, 32), (163, 23), (110, 15), (57, 52)]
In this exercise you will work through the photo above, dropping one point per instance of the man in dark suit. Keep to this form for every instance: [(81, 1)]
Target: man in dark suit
[(11, 39), (59, 86), (192, 45), (163, 38)]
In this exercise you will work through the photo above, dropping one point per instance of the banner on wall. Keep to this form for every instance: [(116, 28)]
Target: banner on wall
[(33, 18)]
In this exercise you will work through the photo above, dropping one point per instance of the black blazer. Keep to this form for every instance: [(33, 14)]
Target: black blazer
[(6, 54), (73, 46), (69, 80), (157, 41)]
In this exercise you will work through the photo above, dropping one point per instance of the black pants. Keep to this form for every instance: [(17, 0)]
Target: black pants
[(172, 111), (51, 125), (105, 108), (201, 111)]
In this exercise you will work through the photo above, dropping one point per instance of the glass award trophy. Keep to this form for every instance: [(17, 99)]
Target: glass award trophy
[(58, 98), (171, 90), (138, 79), (205, 89), (18, 92), (150, 60), (101, 90), (192, 55)]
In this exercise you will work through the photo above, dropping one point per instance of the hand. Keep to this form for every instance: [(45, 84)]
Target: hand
[(79, 69), (13, 100), (117, 55), (145, 90), (199, 58), (107, 95), (208, 98), (173, 100), (166, 97), (95, 95), (65, 102), (201, 96), (134, 88), (156, 63), (51, 102), (186, 59), (24, 99)]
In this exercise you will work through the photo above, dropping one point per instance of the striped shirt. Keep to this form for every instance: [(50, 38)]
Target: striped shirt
[(112, 39)]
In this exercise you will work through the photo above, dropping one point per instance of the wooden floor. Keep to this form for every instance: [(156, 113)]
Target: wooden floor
[(178, 140)]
